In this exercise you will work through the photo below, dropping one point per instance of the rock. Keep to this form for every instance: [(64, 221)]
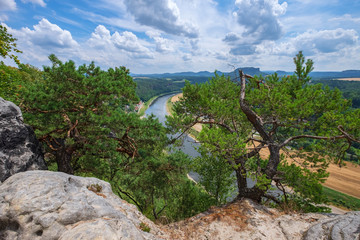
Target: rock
[(55, 205), (247, 220), (342, 227), (19, 149)]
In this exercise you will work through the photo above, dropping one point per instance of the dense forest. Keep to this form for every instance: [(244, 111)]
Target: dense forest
[(83, 117), (148, 87), (349, 89)]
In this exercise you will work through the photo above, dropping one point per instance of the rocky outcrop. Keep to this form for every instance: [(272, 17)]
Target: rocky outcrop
[(247, 220), (55, 205), (19, 149), (340, 227)]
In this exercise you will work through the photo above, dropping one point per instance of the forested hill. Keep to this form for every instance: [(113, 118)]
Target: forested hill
[(324, 75), (253, 71), (247, 70), (150, 85)]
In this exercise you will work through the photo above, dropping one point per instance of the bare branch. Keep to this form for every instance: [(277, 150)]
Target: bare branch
[(255, 119)]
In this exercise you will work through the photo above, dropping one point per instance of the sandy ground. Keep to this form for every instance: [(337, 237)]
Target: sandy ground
[(348, 79), (176, 98)]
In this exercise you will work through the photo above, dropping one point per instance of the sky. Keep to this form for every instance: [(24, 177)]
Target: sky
[(158, 36)]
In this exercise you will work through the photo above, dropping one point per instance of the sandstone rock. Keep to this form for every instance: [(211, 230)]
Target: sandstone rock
[(55, 205), (342, 227), (247, 220), (19, 149)]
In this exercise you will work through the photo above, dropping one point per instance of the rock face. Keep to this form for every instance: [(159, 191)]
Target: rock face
[(55, 205), (19, 149)]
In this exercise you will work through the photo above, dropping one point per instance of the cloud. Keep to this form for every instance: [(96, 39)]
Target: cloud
[(260, 18), (325, 41), (317, 42), (7, 5), (129, 42), (39, 2), (244, 49), (126, 41), (48, 35), (345, 17), (163, 15), (231, 37), (44, 39)]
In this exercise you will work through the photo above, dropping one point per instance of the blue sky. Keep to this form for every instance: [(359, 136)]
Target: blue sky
[(156, 36)]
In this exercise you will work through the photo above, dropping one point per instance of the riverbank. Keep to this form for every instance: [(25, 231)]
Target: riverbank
[(147, 104)]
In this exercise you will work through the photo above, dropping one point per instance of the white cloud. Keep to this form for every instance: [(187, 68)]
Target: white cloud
[(260, 18), (318, 42), (100, 37), (129, 42), (48, 35), (126, 41), (39, 2), (44, 39), (7, 5), (163, 15), (345, 18)]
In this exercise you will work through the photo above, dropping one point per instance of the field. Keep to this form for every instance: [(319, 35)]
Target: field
[(348, 79)]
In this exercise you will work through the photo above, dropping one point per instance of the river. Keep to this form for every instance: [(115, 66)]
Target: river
[(158, 108)]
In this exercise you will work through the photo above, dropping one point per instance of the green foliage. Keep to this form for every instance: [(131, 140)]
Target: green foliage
[(12, 79), (82, 115), (150, 87), (273, 113), (144, 227), (8, 45)]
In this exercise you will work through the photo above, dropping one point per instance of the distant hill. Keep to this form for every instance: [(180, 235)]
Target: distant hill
[(342, 74), (252, 71), (247, 70)]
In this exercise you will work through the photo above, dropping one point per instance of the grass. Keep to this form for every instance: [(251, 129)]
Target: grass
[(169, 106), (342, 200)]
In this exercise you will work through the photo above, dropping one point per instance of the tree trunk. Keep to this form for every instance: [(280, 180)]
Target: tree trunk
[(274, 160), (63, 157), (241, 179), (253, 193)]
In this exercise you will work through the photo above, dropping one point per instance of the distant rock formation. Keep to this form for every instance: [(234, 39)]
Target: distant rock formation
[(19, 149), (55, 205)]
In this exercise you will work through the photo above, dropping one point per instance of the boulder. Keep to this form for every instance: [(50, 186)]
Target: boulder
[(19, 149), (55, 205)]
